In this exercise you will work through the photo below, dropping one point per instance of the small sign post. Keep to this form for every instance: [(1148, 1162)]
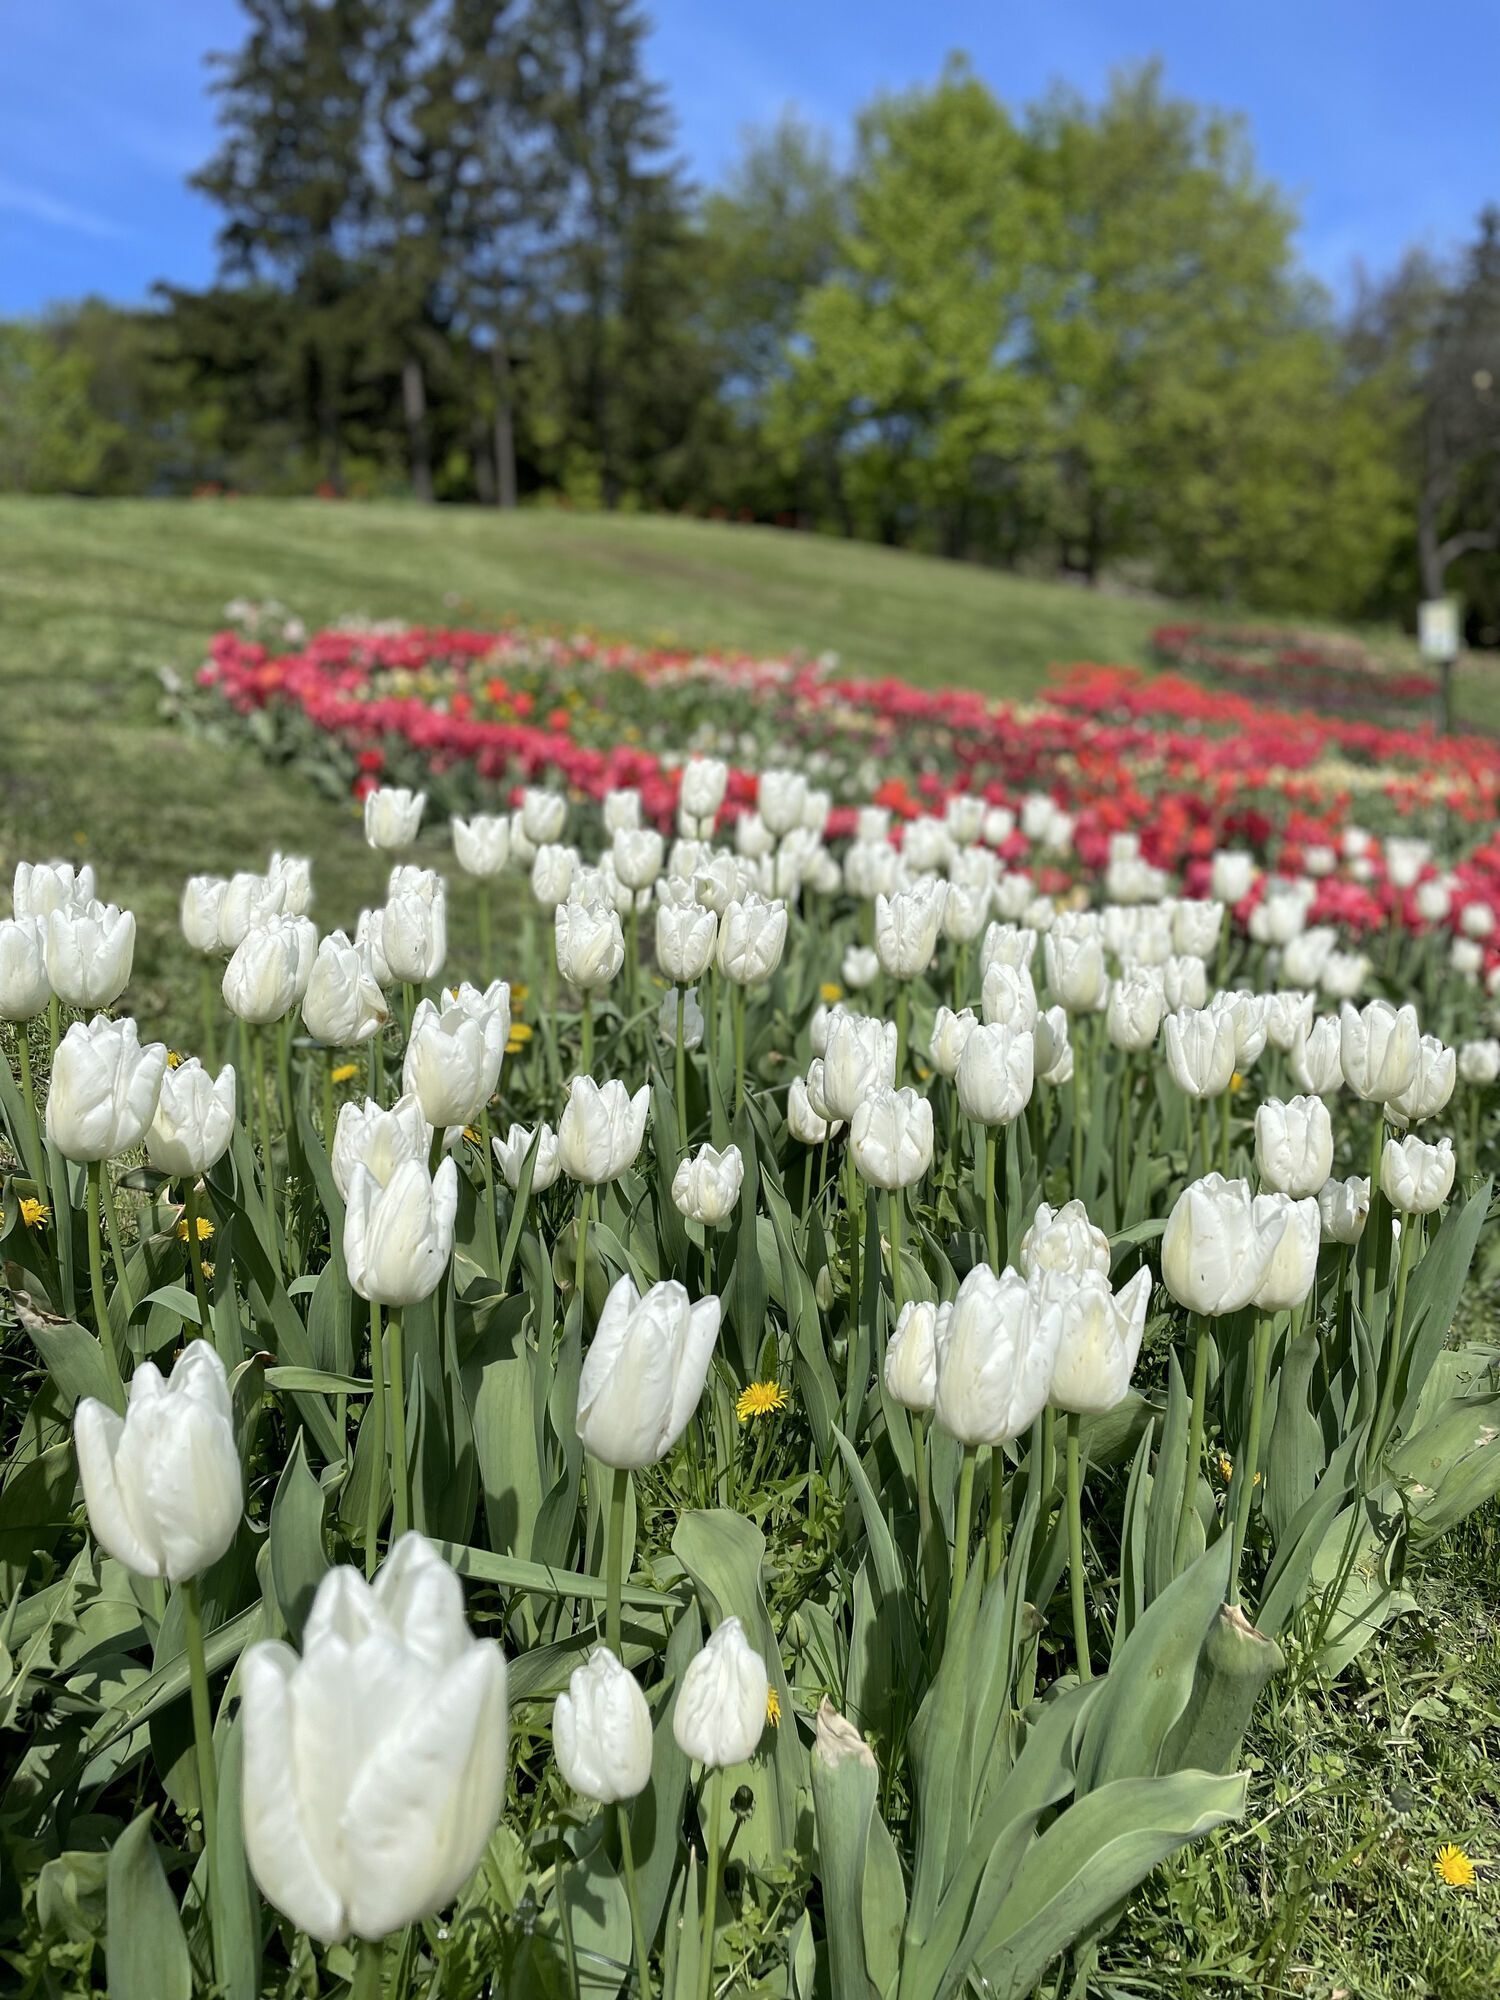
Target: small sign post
[(1440, 641)]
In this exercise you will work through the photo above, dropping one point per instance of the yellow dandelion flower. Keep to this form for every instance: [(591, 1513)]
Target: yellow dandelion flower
[(471, 1133), (1226, 1469), (35, 1214), (828, 993), (207, 1270), (1237, 1081), (1454, 1867), (175, 1058), (344, 1073), (773, 1708), (205, 1228), (518, 993), (761, 1399)]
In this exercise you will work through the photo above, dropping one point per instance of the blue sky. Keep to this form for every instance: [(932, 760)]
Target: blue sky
[(1384, 133)]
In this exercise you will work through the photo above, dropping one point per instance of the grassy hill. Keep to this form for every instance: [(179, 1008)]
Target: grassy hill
[(96, 596)]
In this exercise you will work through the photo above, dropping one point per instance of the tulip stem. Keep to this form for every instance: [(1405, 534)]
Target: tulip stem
[(614, 1557), (580, 1265), (373, 1507), (484, 929), (679, 1060), (330, 1056), (1075, 1553), (991, 1221), (376, 1084), (1372, 1231), (366, 1983), (203, 1727), (1390, 1367), (116, 1240), (893, 1229), (714, 1791), (96, 1283), (637, 1927), (1194, 1447), (903, 1006), (400, 1471), (487, 1153), (263, 1120), (54, 1027), (737, 1014), (36, 1164), (963, 1514), (192, 1217), (924, 1507), (997, 1510), (587, 1057), (1243, 1494)]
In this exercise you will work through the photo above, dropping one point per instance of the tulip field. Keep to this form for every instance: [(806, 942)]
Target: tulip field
[(777, 1425)]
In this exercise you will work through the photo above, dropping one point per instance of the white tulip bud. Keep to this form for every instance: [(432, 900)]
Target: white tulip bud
[(398, 1239), (1293, 1145), (162, 1484), (23, 968), (601, 1731), (1414, 1177), (89, 954), (601, 1129), (911, 1356), (644, 1372), (343, 1003), (1344, 1208), (890, 1137), (1063, 1240), (104, 1088), (201, 911), (590, 946), (194, 1120), (1218, 1244), (706, 1185), (377, 1140), (685, 937), (481, 845), (995, 1356), (721, 1705), (511, 1153), (392, 816)]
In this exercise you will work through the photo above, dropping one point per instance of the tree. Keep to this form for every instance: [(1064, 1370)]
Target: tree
[(622, 378), (904, 376), (1458, 504), (294, 179), (51, 438)]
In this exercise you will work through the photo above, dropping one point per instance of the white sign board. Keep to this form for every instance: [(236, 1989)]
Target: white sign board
[(1437, 629)]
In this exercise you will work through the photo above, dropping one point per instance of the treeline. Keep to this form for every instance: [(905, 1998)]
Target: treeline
[(460, 260)]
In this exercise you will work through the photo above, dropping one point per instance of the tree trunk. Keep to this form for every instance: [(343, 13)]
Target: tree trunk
[(419, 447), (505, 424)]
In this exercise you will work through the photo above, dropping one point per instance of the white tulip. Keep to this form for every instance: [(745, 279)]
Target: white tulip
[(162, 1484), (398, 1238), (1378, 1049), (1200, 1045), (343, 1003), (104, 1087), (752, 937), (601, 1129), (995, 1356), (911, 1356), (481, 844), (685, 937), (392, 816), (721, 1705), (692, 1019), (644, 1372), (1478, 1062), (1063, 1240), (378, 1140), (194, 1120), (1344, 1208), (601, 1731), (890, 1138), (950, 1032), (543, 816), (40, 887), (374, 1764), (706, 1185), (1431, 1085), (23, 968), (590, 946), (1008, 998), (1289, 1274), (1134, 1012), (907, 926), (1219, 1243), (1414, 1177), (1293, 1145), (201, 911), (1316, 1057), (265, 975), (511, 1153), (89, 954), (860, 1059), (1099, 1340)]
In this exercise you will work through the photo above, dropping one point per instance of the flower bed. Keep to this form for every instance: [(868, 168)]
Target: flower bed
[(1315, 669), (473, 715)]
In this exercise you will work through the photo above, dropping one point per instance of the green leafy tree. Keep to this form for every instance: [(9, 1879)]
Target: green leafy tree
[(52, 440), (905, 379)]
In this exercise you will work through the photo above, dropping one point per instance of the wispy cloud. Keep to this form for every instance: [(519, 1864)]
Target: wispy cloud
[(42, 207)]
